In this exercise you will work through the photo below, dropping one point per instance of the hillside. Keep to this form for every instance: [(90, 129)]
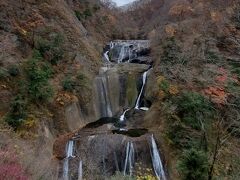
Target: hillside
[(195, 49), (84, 94), (46, 48)]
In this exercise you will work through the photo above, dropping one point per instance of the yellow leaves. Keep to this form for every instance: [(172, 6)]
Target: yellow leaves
[(160, 79), (173, 90), (170, 30), (143, 173), (146, 177), (30, 122), (64, 98), (161, 94), (165, 88)]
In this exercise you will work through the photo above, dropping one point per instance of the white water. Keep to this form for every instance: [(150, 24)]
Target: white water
[(69, 154), (144, 78), (69, 149), (103, 96), (122, 117), (80, 170), (129, 159), (106, 56), (111, 45), (121, 54), (156, 161)]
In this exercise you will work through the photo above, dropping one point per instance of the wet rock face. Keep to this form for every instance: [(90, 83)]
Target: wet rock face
[(117, 89), (104, 154), (74, 116)]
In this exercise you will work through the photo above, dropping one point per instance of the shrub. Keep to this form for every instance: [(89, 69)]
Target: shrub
[(171, 51), (68, 84), (10, 168), (180, 135), (17, 112), (194, 109), (164, 85), (75, 83), (87, 13), (79, 15), (38, 73), (193, 165), (13, 70), (212, 57), (51, 48)]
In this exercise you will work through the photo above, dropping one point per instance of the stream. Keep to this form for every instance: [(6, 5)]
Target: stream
[(112, 143)]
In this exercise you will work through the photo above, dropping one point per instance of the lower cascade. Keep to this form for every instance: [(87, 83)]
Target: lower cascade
[(80, 170), (69, 154), (156, 161), (129, 159), (113, 144)]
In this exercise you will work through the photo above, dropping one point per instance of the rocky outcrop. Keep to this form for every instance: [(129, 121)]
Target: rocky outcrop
[(117, 89)]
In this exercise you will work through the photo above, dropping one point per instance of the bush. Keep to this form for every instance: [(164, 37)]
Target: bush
[(212, 57), (51, 48), (38, 73), (194, 109), (75, 83), (171, 52), (13, 70), (193, 165), (68, 84), (79, 15), (17, 113), (10, 168), (87, 13)]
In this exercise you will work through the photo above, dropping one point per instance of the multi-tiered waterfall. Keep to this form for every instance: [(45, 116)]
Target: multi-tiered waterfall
[(112, 144)]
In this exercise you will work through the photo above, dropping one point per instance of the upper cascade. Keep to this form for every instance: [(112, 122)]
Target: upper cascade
[(119, 51)]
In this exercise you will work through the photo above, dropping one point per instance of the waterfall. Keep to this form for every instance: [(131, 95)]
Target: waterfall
[(122, 117), (156, 161), (102, 90), (129, 159), (121, 54), (106, 56), (144, 78), (80, 170), (69, 149), (111, 45), (69, 154)]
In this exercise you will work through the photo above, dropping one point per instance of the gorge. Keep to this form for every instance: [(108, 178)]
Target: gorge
[(93, 91), (114, 146)]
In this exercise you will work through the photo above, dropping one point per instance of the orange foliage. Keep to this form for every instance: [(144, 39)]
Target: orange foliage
[(217, 94)]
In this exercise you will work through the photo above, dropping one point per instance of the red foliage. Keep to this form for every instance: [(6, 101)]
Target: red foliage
[(217, 94), (10, 168)]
